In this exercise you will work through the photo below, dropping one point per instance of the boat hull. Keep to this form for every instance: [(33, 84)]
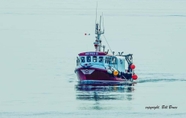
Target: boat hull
[(96, 75)]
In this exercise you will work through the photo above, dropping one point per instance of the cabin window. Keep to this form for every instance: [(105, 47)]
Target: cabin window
[(101, 59), (106, 59), (113, 61), (94, 58), (88, 58), (77, 61), (82, 59)]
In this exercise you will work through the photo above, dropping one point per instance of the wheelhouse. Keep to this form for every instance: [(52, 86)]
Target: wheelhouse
[(91, 57), (101, 58)]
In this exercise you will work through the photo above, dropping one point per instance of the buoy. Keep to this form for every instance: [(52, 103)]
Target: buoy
[(134, 77), (132, 66), (115, 73)]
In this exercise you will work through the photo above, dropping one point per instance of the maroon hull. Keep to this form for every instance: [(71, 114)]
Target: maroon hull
[(95, 74)]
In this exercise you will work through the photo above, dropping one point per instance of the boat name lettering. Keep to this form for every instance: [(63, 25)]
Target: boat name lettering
[(91, 53)]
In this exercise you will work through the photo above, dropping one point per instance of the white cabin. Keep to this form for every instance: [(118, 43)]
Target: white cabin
[(100, 60)]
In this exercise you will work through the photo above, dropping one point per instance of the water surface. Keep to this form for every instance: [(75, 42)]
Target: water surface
[(39, 41)]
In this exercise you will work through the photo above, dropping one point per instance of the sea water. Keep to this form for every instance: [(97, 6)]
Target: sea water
[(39, 42)]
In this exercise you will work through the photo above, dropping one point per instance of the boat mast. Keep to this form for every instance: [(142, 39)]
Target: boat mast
[(98, 32)]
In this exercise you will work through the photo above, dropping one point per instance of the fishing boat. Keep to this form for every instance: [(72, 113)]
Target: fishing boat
[(100, 67)]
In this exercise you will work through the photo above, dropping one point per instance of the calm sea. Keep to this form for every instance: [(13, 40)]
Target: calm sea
[(39, 42)]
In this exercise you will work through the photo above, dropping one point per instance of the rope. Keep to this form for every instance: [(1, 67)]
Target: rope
[(107, 43)]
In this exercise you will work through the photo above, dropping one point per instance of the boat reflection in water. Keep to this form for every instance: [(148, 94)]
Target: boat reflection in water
[(96, 90)]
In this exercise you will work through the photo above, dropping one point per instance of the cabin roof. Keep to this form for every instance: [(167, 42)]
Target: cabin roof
[(92, 53)]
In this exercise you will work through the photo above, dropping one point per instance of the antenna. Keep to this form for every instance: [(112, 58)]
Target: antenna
[(100, 24), (99, 32), (96, 12), (103, 23)]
